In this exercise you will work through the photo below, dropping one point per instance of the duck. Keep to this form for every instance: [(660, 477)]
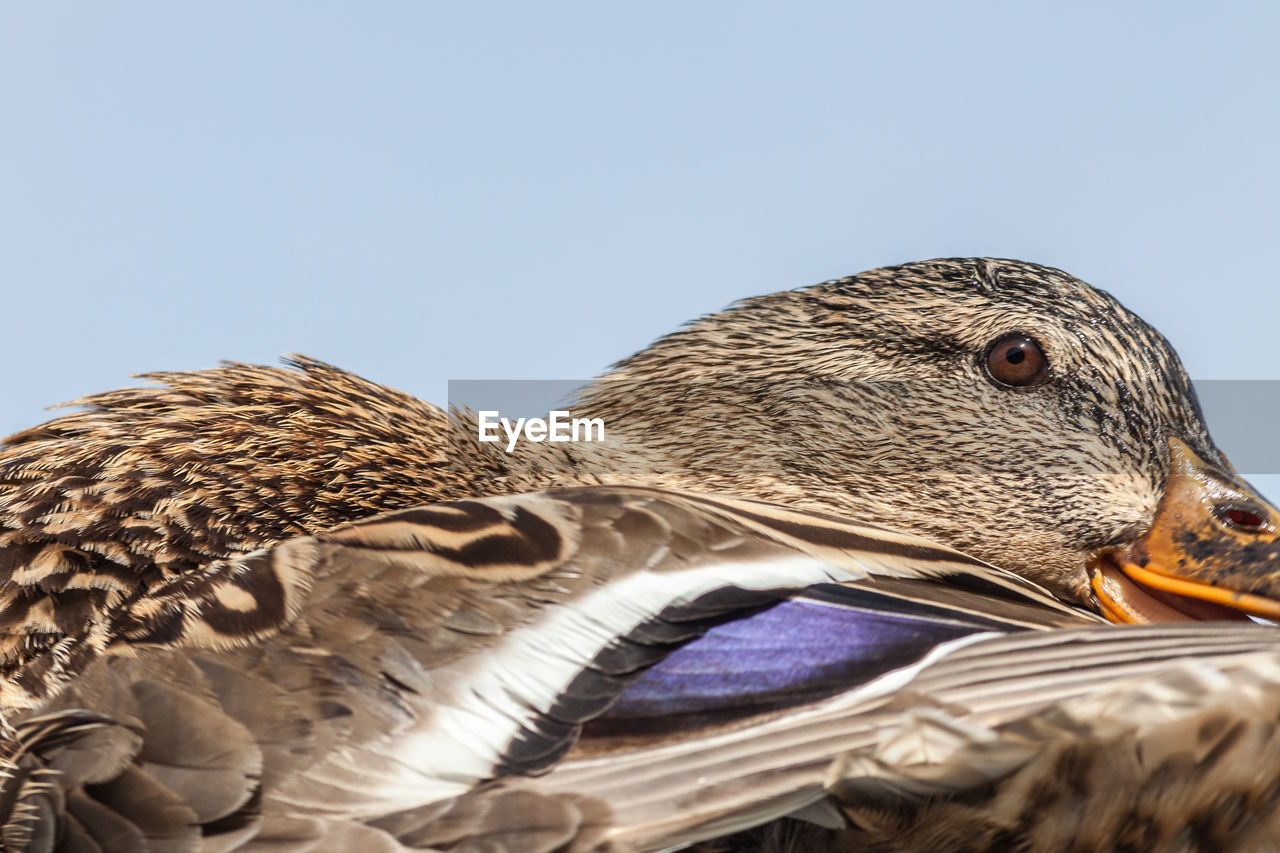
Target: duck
[(918, 435)]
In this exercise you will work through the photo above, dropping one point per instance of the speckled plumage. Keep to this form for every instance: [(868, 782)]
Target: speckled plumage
[(860, 396), (128, 529), (865, 396)]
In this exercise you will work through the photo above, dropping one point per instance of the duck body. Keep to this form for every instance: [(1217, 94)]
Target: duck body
[(633, 669), (378, 673)]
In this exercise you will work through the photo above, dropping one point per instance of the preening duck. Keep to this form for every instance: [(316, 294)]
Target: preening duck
[(836, 470)]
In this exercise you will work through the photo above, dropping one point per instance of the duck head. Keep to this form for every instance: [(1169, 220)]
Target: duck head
[(1001, 407)]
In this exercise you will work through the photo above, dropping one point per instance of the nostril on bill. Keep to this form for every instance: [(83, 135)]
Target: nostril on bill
[(1245, 517)]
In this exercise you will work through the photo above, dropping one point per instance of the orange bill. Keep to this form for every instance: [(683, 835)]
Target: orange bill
[(1213, 552)]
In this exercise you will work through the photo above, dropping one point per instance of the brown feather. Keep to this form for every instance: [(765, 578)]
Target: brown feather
[(130, 579)]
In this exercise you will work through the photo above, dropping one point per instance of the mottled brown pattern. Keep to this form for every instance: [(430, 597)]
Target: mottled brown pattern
[(862, 396), (124, 526), (1207, 780), (234, 734)]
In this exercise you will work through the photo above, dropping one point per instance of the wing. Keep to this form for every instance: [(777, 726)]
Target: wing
[(666, 795), (621, 666), (1188, 758), (461, 642)]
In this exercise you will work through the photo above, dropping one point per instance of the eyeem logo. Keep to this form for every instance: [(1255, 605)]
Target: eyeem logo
[(558, 426)]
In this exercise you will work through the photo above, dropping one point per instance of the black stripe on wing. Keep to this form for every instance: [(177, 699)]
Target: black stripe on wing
[(546, 739), (736, 654)]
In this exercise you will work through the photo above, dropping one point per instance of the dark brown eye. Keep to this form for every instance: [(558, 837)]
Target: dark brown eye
[(1017, 360)]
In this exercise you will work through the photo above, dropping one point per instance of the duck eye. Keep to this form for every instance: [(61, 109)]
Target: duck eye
[(1017, 360)]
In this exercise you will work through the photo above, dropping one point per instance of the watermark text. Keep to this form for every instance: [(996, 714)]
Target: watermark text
[(557, 426)]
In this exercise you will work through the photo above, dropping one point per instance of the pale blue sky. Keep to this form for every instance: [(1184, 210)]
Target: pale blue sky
[(425, 191)]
